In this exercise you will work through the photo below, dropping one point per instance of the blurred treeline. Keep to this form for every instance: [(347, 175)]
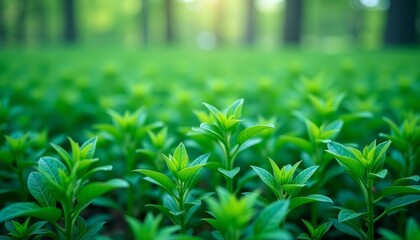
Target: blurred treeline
[(321, 24)]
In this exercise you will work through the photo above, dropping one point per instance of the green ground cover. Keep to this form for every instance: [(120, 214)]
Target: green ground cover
[(314, 111)]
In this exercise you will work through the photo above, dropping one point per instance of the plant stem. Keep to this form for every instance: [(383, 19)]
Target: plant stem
[(229, 161), (181, 201), (68, 223), (130, 194), (370, 214)]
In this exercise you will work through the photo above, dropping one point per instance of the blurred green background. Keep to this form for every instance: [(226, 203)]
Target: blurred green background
[(326, 25)]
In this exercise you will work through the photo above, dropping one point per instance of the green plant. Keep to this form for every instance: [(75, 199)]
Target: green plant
[(285, 185), (412, 232), (315, 233), (127, 131), (223, 128), (231, 216), (313, 153), (406, 140), (149, 228), (160, 142), (17, 230), (179, 206), (17, 158), (62, 189), (365, 167)]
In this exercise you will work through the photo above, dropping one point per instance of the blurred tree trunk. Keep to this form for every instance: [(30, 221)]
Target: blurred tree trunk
[(251, 23), (21, 21), (2, 24), (356, 25), (169, 17), (293, 22), (42, 21), (220, 20), (70, 35), (400, 27), (145, 21)]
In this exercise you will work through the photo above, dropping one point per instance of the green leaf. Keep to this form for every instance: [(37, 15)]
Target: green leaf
[(249, 132), (346, 159), (39, 191), (189, 172), (304, 236), (158, 178), (347, 229), (322, 229), (380, 174), (63, 154), (210, 130), (412, 230), (270, 217), (51, 166), (380, 152), (394, 190), (247, 144), (389, 235), (230, 174), (235, 108), (88, 148), (181, 156), (301, 143), (299, 201), (267, 178), (304, 175), (399, 181), (29, 209), (309, 227), (348, 214), (401, 202), (93, 190), (200, 160)]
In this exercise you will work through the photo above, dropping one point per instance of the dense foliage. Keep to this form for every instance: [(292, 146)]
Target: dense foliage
[(217, 145)]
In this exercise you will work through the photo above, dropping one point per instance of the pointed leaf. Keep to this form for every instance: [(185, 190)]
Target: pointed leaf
[(348, 214), (399, 181), (270, 217), (88, 148), (299, 201), (304, 176), (189, 172), (249, 132), (381, 174), (181, 156), (346, 159), (301, 143), (401, 202), (347, 229), (158, 178), (394, 190), (267, 178), (29, 209), (230, 174), (93, 190), (51, 166), (39, 191)]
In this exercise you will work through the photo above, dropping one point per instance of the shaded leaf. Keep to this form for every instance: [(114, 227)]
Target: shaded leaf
[(299, 201), (39, 191), (270, 217), (348, 214), (249, 132), (230, 174), (29, 209), (158, 178)]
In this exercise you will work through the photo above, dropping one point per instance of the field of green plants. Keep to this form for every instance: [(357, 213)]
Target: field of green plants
[(229, 144)]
